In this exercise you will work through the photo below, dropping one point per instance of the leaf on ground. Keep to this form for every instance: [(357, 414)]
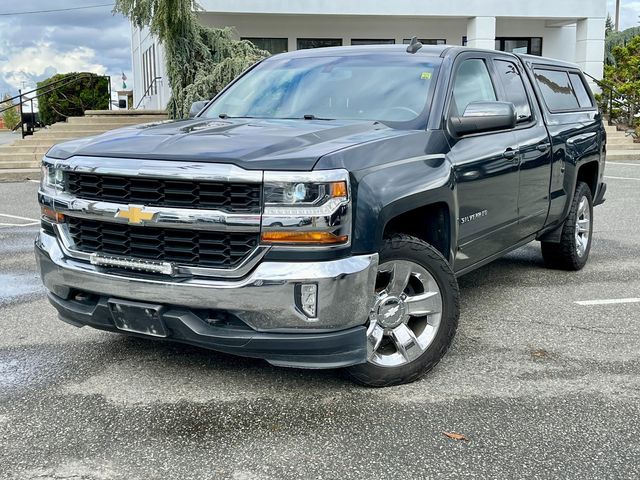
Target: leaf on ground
[(541, 353), (455, 436)]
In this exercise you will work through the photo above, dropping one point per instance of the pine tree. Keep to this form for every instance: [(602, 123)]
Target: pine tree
[(608, 26), (200, 60), (624, 74), (11, 116)]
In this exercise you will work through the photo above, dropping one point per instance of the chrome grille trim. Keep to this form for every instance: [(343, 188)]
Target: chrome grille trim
[(170, 217), (165, 169), (163, 217)]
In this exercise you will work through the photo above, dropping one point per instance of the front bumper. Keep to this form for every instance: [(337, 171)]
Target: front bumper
[(264, 301)]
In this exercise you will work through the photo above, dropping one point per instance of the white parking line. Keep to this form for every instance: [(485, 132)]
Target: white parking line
[(18, 218), (624, 163), (621, 178), (610, 301), (18, 224)]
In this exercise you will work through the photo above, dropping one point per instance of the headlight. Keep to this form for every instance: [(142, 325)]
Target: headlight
[(307, 209), (52, 182), (52, 178)]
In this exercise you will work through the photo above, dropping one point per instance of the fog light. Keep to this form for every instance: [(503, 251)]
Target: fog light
[(308, 295)]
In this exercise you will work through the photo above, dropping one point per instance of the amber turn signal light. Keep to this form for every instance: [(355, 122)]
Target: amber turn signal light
[(338, 189), (323, 238), (52, 215)]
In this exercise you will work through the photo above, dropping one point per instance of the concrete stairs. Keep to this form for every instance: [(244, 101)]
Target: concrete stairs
[(21, 160), (620, 146)]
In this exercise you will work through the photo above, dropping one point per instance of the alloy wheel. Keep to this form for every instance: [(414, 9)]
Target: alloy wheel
[(583, 226), (406, 314)]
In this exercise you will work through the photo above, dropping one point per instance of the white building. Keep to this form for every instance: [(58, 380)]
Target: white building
[(571, 30)]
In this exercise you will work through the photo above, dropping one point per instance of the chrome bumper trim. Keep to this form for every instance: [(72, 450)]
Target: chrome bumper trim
[(264, 299)]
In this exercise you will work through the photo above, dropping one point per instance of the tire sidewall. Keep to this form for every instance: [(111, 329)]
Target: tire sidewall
[(582, 191), (404, 247)]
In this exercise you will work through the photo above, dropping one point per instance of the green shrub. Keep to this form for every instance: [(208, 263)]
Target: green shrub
[(71, 99)]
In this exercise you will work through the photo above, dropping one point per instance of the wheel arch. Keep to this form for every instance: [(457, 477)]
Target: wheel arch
[(431, 223), (588, 173)]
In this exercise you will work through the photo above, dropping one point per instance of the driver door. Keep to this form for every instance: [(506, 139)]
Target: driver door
[(485, 167)]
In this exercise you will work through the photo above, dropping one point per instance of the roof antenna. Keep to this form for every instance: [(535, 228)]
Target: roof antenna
[(414, 45)]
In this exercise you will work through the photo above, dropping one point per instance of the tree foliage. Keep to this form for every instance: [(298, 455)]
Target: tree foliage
[(624, 73), (615, 39), (609, 27), (11, 116), (91, 92), (200, 60)]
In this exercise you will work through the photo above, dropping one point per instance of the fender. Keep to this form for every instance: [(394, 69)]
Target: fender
[(416, 182)]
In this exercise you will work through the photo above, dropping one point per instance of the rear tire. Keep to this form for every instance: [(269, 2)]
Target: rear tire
[(415, 314), (572, 252)]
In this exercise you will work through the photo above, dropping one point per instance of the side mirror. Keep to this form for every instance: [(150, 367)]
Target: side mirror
[(482, 117), (196, 107)]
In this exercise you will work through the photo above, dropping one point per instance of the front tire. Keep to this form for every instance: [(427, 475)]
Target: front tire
[(572, 252), (414, 317)]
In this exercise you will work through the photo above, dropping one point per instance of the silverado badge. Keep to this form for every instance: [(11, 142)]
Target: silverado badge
[(135, 215)]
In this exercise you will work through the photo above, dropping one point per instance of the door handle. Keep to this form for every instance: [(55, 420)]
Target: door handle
[(510, 153), (543, 147)]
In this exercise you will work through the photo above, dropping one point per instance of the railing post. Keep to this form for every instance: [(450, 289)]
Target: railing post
[(21, 122), (109, 79), (33, 117), (610, 107)]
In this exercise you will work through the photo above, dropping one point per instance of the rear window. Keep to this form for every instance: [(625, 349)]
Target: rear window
[(556, 90), (584, 99)]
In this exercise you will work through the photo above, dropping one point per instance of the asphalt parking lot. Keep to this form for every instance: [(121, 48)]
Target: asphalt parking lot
[(542, 386)]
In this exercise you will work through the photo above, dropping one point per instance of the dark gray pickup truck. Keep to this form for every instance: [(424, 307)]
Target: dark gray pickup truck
[(317, 212)]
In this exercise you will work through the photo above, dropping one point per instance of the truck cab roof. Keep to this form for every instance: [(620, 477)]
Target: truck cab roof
[(426, 50)]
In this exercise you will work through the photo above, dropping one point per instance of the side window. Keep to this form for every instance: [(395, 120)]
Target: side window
[(556, 90), (472, 84), (514, 88), (584, 99)]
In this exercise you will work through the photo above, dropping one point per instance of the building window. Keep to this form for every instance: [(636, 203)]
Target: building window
[(427, 41), (271, 45), (149, 71), (530, 45), (372, 41), (464, 41), (304, 43)]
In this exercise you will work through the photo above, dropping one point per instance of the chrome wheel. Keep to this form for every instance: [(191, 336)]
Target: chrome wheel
[(406, 314), (583, 226)]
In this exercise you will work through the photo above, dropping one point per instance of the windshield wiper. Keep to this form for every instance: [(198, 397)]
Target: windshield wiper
[(224, 116)]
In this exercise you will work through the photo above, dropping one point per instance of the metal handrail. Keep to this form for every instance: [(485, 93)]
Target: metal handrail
[(153, 82), (50, 87), (616, 97)]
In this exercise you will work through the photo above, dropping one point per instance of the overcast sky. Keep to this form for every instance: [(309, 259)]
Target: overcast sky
[(34, 47)]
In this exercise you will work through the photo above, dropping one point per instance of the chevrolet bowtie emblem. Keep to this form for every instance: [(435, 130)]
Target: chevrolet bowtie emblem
[(135, 214)]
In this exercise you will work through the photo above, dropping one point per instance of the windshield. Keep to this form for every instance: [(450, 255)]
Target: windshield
[(393, 89)]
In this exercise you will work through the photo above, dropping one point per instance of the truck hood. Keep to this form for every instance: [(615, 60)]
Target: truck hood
[(247, 143)]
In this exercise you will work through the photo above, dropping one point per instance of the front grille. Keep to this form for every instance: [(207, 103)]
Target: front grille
[(229, 197), (184, 247)]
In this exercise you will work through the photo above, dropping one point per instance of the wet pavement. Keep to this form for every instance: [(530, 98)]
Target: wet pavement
[(541, 386)]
